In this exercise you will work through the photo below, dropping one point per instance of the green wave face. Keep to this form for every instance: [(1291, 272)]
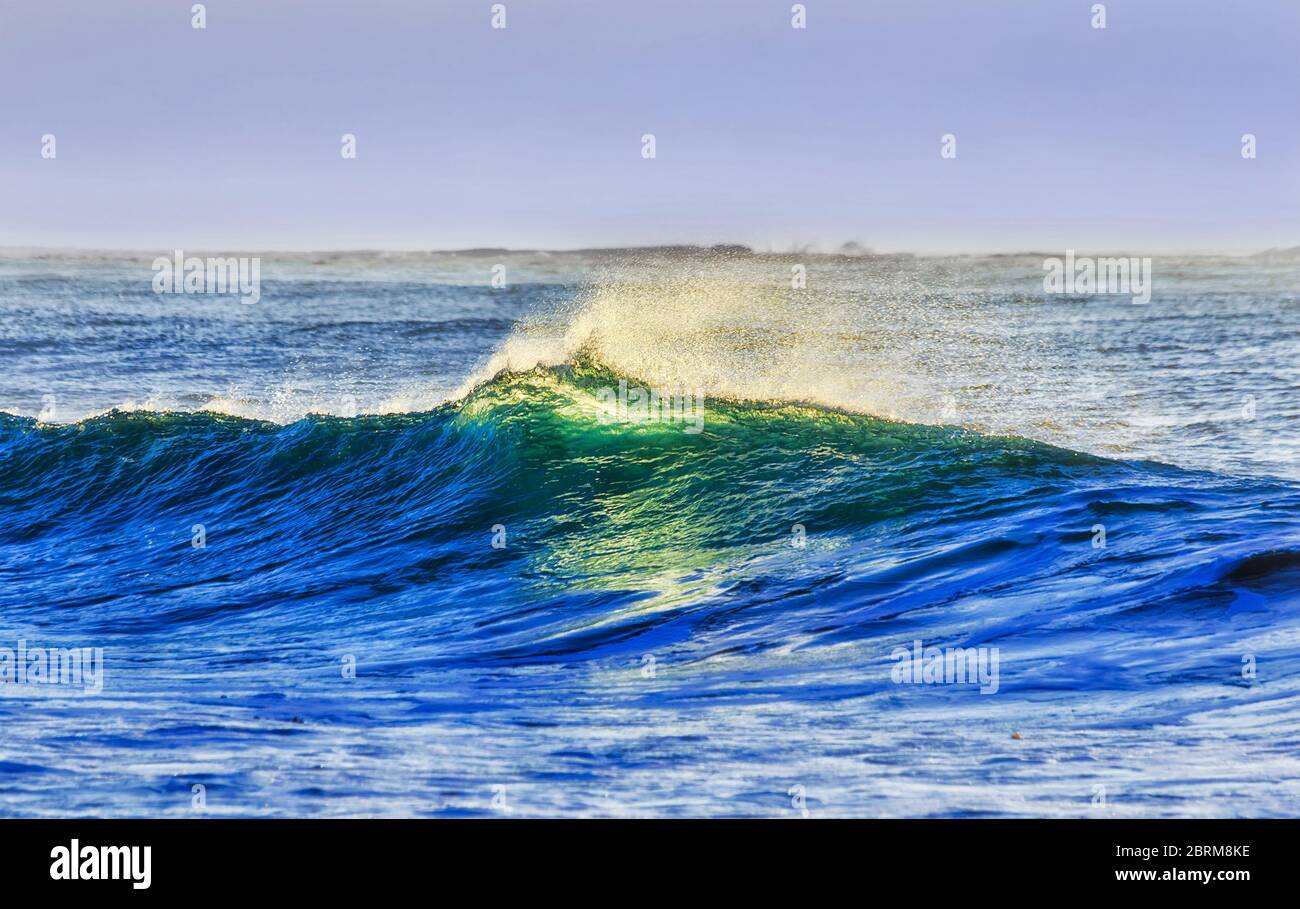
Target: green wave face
[(589, 500), (610, 502)]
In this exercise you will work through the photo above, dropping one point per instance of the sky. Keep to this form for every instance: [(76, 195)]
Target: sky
[(1067, 136)]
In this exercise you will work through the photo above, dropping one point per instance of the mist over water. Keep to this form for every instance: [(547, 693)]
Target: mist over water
[(666, 622)]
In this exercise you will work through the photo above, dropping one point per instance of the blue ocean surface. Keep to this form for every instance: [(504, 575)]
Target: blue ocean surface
[(378, 545)]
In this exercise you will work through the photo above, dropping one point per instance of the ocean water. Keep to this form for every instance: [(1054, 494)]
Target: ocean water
[(377, 545)]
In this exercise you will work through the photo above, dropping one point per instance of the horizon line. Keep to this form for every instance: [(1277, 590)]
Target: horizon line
[(847, 250)]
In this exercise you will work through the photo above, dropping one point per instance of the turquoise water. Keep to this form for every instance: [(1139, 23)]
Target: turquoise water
[(372, 546)]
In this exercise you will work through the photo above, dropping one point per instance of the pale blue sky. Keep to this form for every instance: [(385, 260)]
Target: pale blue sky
[(530, 137)]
